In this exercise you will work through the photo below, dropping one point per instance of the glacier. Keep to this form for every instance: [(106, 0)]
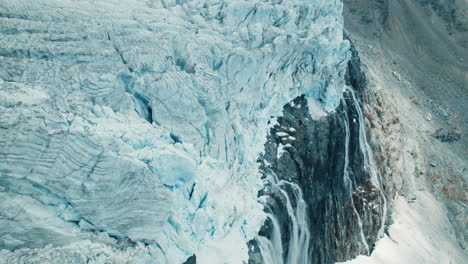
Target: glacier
[(131, 129)]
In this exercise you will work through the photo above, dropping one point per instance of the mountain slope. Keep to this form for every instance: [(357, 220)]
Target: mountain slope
[(414, 55)]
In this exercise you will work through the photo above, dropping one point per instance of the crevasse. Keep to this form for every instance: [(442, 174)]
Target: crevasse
[(142, 121)]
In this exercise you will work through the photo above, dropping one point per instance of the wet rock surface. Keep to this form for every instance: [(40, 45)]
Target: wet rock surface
[(413, 67), (315, 153), (316, 160)]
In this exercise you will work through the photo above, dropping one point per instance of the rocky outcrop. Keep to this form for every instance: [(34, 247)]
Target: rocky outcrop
[(326, 157)]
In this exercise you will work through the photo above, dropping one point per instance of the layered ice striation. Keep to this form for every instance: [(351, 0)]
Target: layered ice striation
[(139, 123)]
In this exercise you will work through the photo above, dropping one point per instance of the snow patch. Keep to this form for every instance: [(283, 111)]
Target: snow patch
[(316, 110), (421, 233)]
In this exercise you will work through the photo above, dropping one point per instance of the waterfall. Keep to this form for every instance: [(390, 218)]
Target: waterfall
[(369, 162), (299, 234), (348, 182), (272, 250), (289, 239)]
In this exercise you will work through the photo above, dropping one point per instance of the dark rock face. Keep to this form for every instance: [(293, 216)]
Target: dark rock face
[(191, 260), (325, 158), (355, 77), (315, 161)]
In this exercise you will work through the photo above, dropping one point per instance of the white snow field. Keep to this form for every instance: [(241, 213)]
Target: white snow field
[(421, 233), (142, 121)]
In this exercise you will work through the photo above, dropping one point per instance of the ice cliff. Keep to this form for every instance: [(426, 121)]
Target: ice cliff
[(138, 124)]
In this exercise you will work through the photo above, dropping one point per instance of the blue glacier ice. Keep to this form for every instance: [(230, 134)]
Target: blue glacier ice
[(142, 121)]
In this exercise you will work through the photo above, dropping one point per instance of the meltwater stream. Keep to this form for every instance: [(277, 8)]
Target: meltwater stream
[(299, 235), (287, 237), (348, 182), (369, 162)]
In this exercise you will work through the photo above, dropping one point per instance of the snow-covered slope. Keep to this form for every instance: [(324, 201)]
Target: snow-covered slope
[(141, 121), (416, 238)]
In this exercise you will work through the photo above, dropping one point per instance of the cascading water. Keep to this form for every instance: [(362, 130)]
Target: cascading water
[(369, 162), (347, 180), (272, 249), (344, 180)]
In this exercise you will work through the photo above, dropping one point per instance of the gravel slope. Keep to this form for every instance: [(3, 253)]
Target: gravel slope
[(414, 55)]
